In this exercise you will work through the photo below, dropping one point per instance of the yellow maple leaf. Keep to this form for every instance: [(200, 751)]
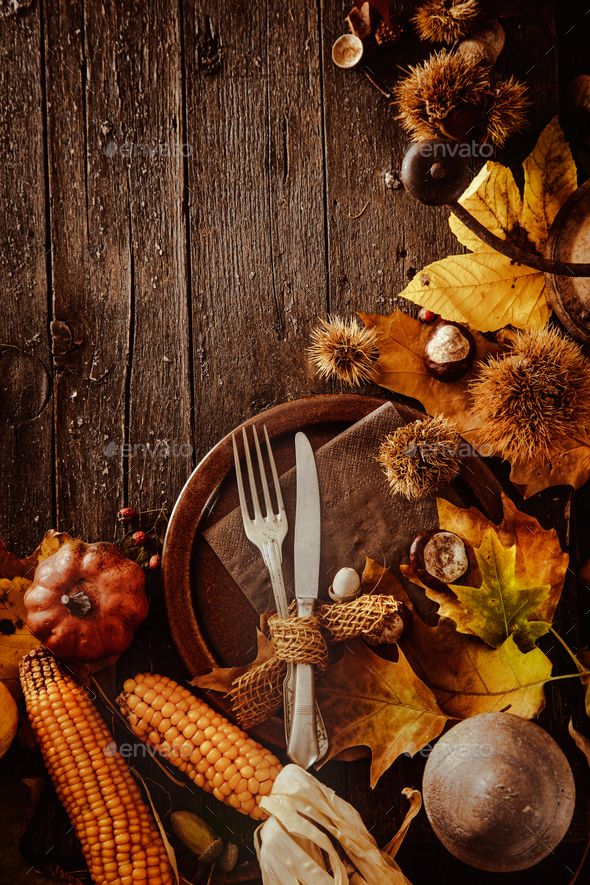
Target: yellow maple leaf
[(466, 675), (485, 290), (494, 199), (550, 178)]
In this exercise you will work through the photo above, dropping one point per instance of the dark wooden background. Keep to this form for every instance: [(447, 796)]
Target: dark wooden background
[(184, 188)]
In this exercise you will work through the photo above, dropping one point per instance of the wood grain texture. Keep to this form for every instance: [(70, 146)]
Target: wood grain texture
[(255, 205), (195, 169), (25, 359), (91, 263)]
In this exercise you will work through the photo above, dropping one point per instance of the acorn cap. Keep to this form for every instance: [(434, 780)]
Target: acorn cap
[(498, 792), (347, 51)]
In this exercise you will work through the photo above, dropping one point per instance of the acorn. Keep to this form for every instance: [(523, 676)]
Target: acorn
[(438, 558), (498, 792), (346, 585), (347, 51), (433, 173), (449, 351)]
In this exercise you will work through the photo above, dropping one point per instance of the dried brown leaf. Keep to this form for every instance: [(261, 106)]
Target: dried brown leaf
[(367, 701)]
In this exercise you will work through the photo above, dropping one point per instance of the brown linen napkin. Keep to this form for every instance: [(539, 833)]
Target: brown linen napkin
[(359, 514)]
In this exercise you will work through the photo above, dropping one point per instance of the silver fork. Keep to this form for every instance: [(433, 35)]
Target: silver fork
[(268, 533)]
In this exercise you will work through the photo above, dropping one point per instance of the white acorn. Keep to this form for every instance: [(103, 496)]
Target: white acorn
[(346, 585)]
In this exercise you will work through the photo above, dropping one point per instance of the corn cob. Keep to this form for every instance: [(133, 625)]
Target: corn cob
[(217, 755), (120, 840)]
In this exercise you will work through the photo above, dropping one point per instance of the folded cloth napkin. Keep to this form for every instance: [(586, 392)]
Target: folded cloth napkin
[(359, 514)]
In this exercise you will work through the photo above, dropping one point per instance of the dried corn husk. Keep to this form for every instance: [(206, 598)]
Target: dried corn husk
[(304, 814)]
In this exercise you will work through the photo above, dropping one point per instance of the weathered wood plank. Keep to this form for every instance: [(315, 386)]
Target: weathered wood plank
[(25, 358), (92, 276), (255, 206), (373, 256), (147, 59)]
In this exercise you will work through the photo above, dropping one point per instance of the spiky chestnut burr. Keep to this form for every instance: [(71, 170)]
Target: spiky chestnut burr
[(445, 21), (344, 350), (532, 401), (420, 457), (453, 97)]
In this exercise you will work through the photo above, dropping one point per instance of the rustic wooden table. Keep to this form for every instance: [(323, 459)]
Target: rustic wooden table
[(185, 187)]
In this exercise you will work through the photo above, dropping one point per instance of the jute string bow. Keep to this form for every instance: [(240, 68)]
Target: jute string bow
[(257, 693)]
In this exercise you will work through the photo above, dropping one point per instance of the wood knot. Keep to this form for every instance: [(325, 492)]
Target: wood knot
[(209, 48), (25, 385)]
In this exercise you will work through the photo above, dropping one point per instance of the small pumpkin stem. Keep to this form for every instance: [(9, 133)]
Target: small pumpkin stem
[(77, 604)]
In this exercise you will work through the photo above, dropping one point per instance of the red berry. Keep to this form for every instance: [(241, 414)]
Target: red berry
[(138, 538), (155, 561), (427, 316), (126, 514)]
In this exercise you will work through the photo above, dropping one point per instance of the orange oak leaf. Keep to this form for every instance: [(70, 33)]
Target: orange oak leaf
[(400, 368), (367, 701)]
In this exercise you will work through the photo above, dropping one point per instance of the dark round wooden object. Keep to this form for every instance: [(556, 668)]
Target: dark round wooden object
[(211, 621), (569, 240), (516, 798)]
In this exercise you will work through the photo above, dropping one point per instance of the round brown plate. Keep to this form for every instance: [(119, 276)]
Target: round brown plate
[(211, 621), (569, 240)]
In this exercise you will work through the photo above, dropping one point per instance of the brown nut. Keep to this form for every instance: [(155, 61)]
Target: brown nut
[(347, 51), (449, 351), (484, 44), (438, 558), (434, 173)]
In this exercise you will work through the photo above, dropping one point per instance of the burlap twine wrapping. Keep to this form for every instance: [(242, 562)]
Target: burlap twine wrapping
[(258, 692)]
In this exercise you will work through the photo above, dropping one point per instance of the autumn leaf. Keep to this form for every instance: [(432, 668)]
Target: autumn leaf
[(401, 340), (550, 178), (501, 607), (494, 199), (367, 701), (485, 290), (15, 637), (521, 571), (570, 467), (467, 676), (539, 557), (580, 740), (220, 678), (399, 368)]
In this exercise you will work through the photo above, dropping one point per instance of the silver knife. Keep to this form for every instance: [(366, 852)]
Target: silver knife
[(307, 740)]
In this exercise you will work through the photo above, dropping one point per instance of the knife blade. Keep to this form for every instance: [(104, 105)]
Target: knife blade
[(308, 739), (307, 521)]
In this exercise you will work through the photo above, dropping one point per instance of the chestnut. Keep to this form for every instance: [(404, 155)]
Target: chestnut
[(438, 558), (449, 351), (435, 172)]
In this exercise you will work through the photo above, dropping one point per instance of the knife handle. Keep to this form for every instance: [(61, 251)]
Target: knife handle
[(303, 746)]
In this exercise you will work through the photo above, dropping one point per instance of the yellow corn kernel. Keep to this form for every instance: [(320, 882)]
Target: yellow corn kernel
[(223, 760), (104, 802)]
